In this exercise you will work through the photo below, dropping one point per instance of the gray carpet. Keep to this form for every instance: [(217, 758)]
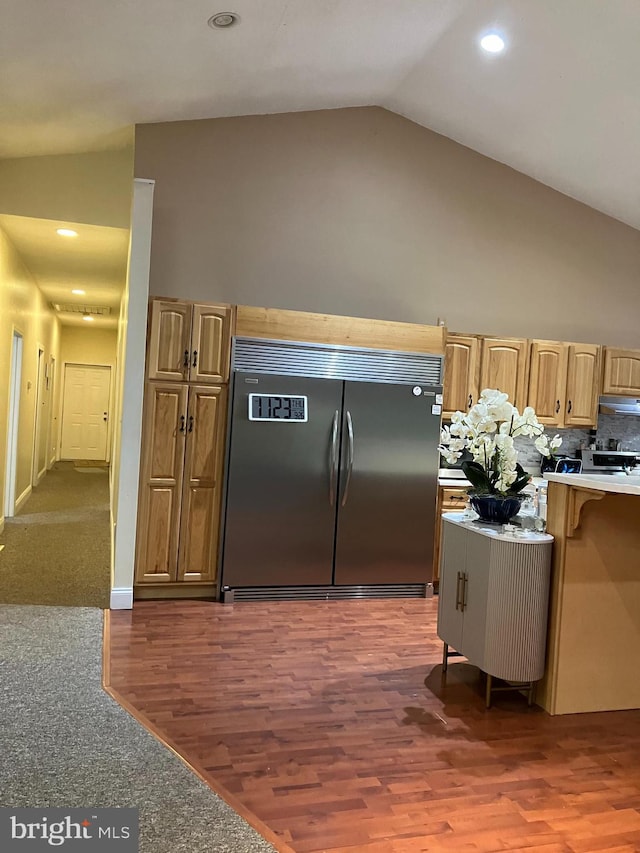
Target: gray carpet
[(65, 742), (57, 550)]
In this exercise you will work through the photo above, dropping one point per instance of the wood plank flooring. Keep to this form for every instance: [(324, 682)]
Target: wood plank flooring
[(328, 722)]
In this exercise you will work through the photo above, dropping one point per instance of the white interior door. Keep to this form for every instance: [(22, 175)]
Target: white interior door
[(85, 412)]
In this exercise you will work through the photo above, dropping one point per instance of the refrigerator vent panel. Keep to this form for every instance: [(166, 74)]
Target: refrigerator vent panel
[(325, 361), (323, 593)]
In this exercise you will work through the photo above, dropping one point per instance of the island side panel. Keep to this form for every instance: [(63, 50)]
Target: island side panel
[(594, 633)]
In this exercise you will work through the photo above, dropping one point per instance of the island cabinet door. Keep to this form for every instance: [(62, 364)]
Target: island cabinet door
[(475, 595), (453, 561), (547, 381), (583, 382)]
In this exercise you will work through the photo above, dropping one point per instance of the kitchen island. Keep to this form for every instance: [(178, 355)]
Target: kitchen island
[(593, 648)]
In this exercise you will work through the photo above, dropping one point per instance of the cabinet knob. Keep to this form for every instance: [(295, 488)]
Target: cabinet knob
[(470, 400), (557, 406), (190, 423), (195, 358), (186, 358), (181, 427), (569, 408)]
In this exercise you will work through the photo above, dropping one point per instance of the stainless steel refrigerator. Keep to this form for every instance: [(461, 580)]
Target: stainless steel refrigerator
[(331, 482)]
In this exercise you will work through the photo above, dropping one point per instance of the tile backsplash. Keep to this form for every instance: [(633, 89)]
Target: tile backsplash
[(624, 428)]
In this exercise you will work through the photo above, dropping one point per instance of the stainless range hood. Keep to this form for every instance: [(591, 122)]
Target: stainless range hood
[(619, 406)]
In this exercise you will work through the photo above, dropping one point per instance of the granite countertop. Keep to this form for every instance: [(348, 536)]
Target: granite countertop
[(622, 485), (508, 533)]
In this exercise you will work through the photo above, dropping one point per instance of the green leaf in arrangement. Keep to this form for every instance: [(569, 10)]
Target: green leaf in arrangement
[(476, 475)]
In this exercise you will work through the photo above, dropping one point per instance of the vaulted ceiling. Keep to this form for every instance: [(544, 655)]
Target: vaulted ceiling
[(561, 103)]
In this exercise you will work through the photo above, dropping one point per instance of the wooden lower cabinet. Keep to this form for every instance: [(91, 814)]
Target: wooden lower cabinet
[(181, 484), (202, 484)]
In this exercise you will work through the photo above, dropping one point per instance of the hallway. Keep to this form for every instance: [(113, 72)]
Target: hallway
[(57, 550)]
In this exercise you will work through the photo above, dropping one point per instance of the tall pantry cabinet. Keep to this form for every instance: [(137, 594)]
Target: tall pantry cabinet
[(184, 428)]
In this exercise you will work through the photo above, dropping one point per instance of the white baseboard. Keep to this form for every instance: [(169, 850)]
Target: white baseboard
[(24, 497), (121, 598)]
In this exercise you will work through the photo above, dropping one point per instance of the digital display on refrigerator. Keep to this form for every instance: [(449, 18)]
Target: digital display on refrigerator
[(277, 407)]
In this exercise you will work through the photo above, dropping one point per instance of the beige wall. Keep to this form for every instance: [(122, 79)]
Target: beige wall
[(23, 307), (87, 346), (94, 188), (362, 212)]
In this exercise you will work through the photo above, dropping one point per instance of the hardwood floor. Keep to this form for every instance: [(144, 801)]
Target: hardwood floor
[(328, 722)]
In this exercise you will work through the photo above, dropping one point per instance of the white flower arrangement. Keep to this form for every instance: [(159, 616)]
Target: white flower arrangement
[(487, 431)]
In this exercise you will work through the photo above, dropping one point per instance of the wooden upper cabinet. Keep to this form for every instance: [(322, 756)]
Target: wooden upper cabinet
[(169, 340), (210, 344), (461, 373), (621, 372), (189, 342), (504, 365), (202, 490), (583, 385), (564, 383), (547, 381)]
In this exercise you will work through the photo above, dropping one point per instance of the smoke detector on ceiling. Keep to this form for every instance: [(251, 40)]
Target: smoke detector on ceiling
[(223, 20)]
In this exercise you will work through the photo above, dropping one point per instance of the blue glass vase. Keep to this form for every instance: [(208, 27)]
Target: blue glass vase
[(496, 509)]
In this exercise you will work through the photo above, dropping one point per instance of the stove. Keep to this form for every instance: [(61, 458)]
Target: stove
[(608, 461)]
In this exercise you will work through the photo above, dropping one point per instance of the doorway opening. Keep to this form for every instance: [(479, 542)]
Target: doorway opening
[(13, 425)]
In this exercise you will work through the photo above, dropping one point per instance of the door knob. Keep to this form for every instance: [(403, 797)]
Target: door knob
[(105, 416)]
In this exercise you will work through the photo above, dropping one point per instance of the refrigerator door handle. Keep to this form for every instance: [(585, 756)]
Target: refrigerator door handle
[(333, 458), (350, 468)]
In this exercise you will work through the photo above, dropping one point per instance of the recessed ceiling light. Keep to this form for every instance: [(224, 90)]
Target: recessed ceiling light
[(222, 20), (492, 43), (67, 232), (79, 292), (88, 318)]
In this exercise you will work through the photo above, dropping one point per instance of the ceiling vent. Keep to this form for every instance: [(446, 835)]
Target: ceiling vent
[(78, 308)]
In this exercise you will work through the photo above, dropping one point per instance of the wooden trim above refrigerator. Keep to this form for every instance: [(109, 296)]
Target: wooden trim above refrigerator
[(284, 325)]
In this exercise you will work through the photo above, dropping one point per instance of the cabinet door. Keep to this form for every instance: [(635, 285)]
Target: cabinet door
[(453, 561), (621, 371), (461, 373), (475, 595), (161, 482), (203, 473), (583, 383), (504, 365), (169, 340), (547, 381), (210, 344)]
